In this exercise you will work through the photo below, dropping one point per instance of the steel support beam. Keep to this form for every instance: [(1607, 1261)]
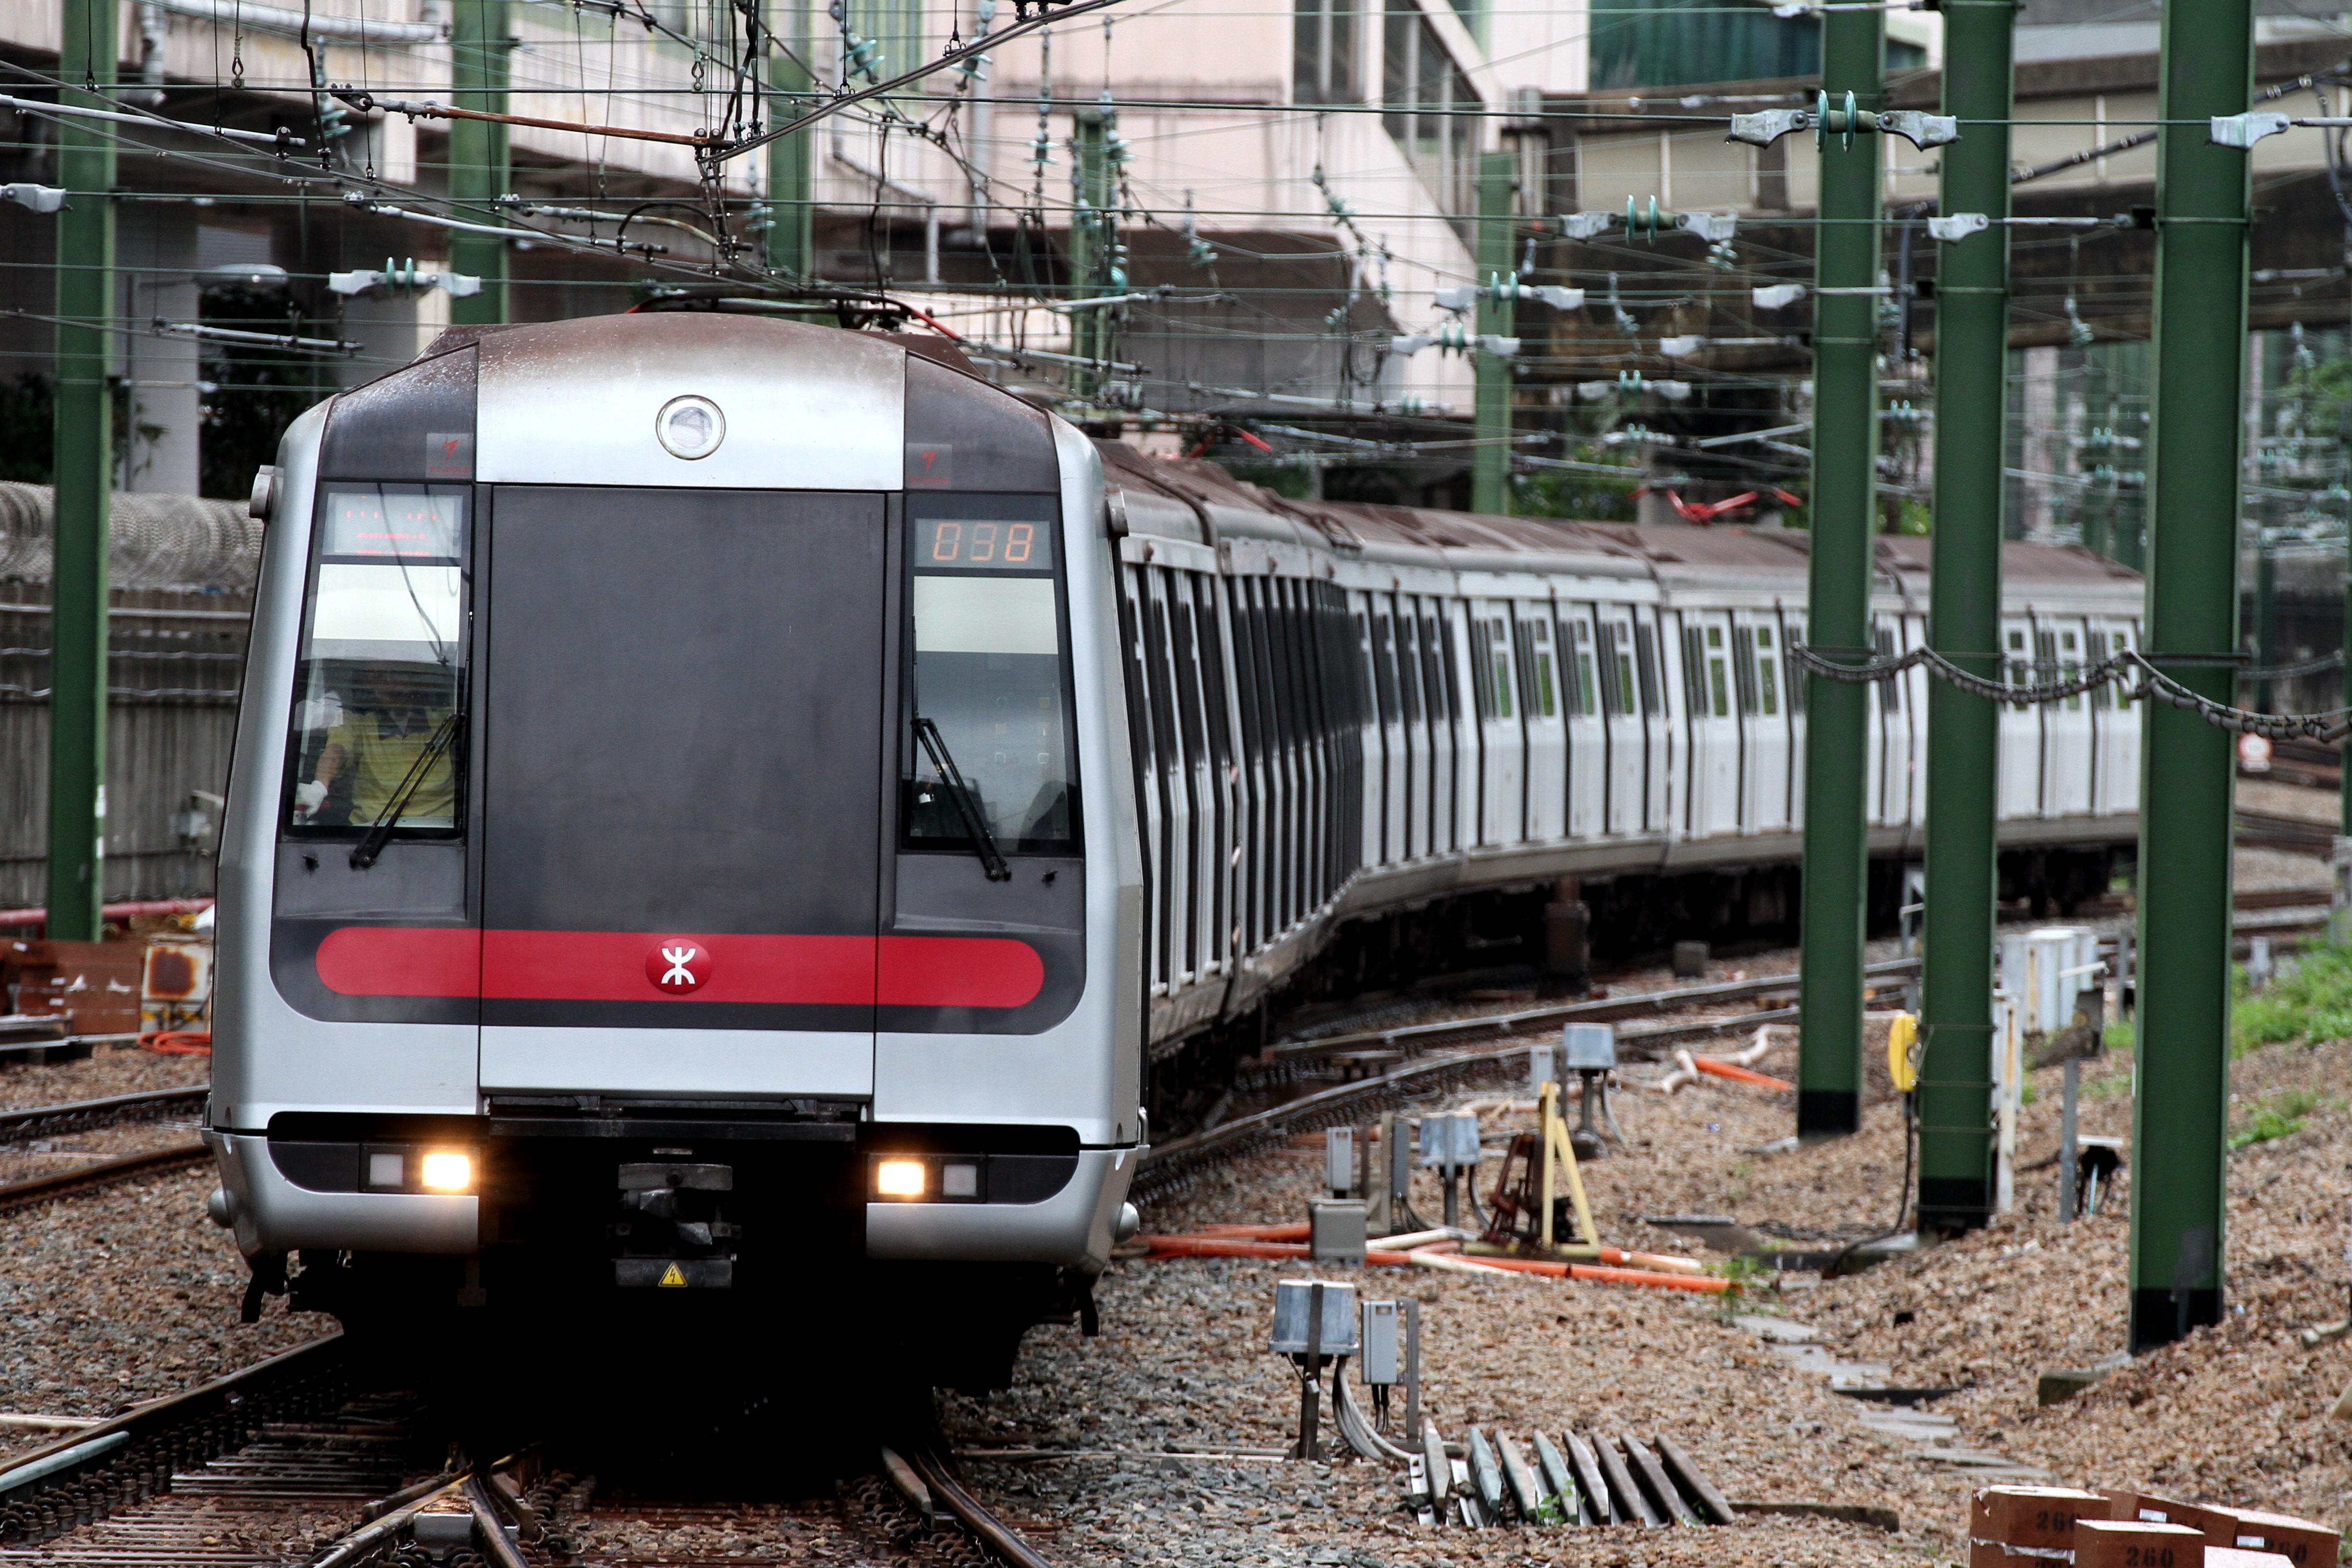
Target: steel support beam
[(1837, 623), (2180, 1113), (792, 160), (1956, 1132), (479, 169), (83, 460), (1490, 470)]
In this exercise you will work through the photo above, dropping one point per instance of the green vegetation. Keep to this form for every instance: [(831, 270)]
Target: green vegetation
[(1743, 1271), (1585, 497), (2280, 1116), (2311, 1003)]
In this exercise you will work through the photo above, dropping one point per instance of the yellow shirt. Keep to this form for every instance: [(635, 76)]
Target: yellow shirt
[(378, 751)]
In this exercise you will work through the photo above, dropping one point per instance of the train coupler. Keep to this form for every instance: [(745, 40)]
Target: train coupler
[(268, 1279)]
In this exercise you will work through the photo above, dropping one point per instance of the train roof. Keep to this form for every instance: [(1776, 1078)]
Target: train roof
[(1178, 496)]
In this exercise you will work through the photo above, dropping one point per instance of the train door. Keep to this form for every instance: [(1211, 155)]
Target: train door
[(1417, 727), (1715, 727), (683, 778), (1259, 765), (1501, 742), (1620, 718), (1226, 754), (1451, 766), (1372, 737), (2115, 765), (1151, 778), (2070, 744), (1197, 701), (1764, 724), (1657, 724), (1396, 721), (1588, 784), (1181, 862), (1541, 671), (2021, 726)]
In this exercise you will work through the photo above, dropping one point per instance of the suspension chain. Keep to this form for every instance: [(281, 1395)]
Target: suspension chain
[(2130, 670)]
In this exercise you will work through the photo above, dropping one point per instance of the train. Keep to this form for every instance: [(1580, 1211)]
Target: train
[(713, 793)]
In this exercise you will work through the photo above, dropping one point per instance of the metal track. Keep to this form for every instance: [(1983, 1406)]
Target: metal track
[(1606, 1009), (119, 1484), (82, 1115), (104, 1174)]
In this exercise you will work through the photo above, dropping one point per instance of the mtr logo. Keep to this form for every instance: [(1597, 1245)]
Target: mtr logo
[(677, 966)]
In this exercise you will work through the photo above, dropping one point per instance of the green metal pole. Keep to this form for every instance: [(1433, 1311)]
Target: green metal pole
[(479, 167), (791, 162), (1092, 240), (1844, 527), (2099, 417), (83, 457), (1956, 1132), (2180, 1113), (1490, 471)]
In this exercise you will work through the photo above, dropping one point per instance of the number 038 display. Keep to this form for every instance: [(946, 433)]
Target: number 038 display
[(965, 545)]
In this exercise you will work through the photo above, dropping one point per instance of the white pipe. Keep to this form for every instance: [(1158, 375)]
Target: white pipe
[(150, 92), (75, 112), (277, 19)]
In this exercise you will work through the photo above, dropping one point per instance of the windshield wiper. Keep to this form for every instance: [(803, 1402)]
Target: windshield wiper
[(984, 843), (364, 854)]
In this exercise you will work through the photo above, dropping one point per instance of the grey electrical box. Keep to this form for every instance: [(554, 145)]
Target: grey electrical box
[(1290, 1318), (1543, 1065), (1449, 1139), (1384, 1355), (1340, 1161), (1587, 1048), (1336, 1229)]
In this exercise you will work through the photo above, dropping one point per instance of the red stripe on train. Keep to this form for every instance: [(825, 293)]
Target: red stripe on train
[(611, 966)]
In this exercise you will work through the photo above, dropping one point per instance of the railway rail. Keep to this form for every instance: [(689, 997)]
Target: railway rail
[(318, 1456), (1172, 1166)]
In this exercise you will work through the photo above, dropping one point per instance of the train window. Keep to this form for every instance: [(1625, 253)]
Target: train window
[(1582, 698), (1437, 662), (1693, 672), (1408, 630), (1890, 688), (2098, 651), (2020, 671), (1717, 687), (2070, 666), (990, 674), (379, 699), (1617, 647), (1743, 667), (1498, 667), (1645, 658), (1544, 695), (1767, 671), (1792, 638), (1381, 646)]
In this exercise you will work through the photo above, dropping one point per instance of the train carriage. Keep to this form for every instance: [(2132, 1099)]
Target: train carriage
[(713, 792)]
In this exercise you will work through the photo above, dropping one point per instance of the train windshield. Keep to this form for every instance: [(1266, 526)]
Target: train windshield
[(379, 688), (989, 672)]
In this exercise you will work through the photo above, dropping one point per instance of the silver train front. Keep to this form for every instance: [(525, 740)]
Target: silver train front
[(682, 819)]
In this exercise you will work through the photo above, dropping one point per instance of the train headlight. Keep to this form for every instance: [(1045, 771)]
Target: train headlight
[(446, 1171), (900, 1178), (690, 427)]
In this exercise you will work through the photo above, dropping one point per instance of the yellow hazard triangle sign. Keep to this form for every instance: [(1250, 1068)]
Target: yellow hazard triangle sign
[(672, 1275)]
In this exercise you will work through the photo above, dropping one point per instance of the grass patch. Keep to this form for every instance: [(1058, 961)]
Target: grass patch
[(2280, 1116), (2117, 1082), (2312, 1004), (2120, 1038)]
